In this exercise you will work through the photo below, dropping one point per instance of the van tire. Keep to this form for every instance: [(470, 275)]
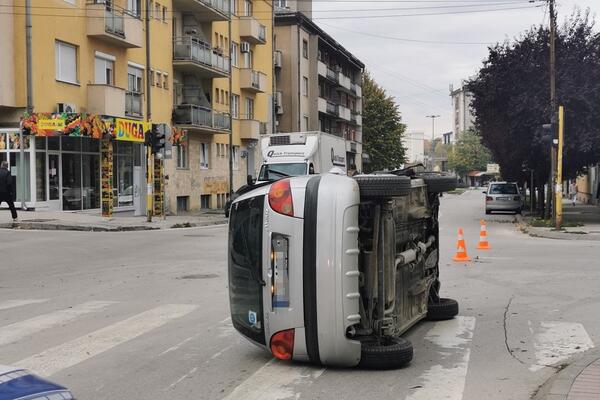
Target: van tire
[(442, 309), (395, 352), (382, 186), (439, 183)]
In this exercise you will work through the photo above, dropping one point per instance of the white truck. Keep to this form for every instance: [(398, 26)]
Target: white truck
[(300, 153)]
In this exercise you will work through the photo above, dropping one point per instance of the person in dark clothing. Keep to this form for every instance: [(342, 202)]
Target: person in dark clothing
[(7, 189)]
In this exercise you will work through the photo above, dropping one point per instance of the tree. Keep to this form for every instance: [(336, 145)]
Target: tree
[(468, 154), (511, 99), (382, 127)]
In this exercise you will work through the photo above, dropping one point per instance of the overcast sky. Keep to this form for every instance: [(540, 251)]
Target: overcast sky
[(418, 74)]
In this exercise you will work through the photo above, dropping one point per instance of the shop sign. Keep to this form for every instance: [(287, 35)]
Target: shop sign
[(56, 124), (130, 130), (215, 185)]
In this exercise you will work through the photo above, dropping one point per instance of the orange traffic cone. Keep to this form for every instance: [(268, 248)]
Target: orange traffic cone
[(483, 242), (461, 248)]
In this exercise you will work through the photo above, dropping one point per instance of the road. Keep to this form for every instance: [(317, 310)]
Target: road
[(145, 314)]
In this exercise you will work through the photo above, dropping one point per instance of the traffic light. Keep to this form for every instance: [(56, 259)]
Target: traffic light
[(158, 138), (148, 138)]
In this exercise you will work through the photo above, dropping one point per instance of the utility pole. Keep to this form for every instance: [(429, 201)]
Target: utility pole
[(550, 193), (149, 159), (230, 164), (433, 117), (28, 58), (559, 164)]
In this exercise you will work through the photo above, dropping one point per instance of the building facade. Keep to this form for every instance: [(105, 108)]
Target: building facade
[(318, 83), (286, 6), (415, 147), (463, 118), (209, 77)]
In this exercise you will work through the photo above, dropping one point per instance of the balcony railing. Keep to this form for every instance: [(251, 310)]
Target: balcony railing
[(331, 74), (332, 108), (194, 115), (220, 5), (194, 50), (252, 31), (133, 104), (252, 80), (113, 23)]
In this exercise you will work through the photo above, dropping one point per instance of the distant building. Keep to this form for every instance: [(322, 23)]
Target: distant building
[(415, 146), (286, 6), (463, 119), (448, 137)]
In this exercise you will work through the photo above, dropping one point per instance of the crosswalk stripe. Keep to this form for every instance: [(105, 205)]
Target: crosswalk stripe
[(66, 355), (454, 338), (274, 381), (20, 302), (13, 332), (557, 341)]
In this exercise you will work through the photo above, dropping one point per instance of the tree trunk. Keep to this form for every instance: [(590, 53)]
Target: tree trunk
[(540, 203)]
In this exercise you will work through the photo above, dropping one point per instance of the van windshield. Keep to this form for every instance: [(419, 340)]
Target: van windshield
[(270, 172)]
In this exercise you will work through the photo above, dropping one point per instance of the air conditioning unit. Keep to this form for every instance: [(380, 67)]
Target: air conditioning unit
[(191, 32), (68, 108), (278, 110), (245, 47)]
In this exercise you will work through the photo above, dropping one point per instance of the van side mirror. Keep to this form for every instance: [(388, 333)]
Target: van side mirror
[(484, 192)]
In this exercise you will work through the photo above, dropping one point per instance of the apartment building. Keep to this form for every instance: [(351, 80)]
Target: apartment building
[(414, 143), (209, 78), (318, 83), (286, 6), (463, 118)]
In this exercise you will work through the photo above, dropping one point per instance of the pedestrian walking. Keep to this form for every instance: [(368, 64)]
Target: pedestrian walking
[(573, 191), (7, 189)]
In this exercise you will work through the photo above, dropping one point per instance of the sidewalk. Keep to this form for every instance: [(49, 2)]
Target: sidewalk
[(587, 215), (578, 381), (93, 221)]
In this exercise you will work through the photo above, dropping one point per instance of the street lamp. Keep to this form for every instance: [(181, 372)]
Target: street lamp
[(433, 117)]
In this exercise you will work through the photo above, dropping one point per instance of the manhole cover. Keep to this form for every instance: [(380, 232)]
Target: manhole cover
[(38, 220), (199, 276)]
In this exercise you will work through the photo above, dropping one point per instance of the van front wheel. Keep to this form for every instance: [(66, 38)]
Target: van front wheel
[(442, 309), (389, 353)]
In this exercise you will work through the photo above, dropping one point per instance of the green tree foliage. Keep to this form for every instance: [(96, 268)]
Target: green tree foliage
[(382, 127), (468, 154), (512, 98)]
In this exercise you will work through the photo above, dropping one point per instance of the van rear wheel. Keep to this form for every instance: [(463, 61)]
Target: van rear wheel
[(382, 186), (437, 183), (390, 353)]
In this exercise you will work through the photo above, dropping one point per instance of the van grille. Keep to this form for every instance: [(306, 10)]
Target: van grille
[(279, 140)]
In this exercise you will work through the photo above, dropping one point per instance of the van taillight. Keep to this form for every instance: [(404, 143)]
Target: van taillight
[(282, 344), (280, 197), (488, 198)]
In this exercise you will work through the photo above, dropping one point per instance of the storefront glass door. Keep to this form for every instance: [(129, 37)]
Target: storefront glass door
[(54, 181)]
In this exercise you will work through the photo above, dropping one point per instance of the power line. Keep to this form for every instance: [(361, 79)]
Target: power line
[(404, 39)]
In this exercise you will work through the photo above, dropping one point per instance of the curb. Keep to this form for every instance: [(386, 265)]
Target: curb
[(559, 385), (44, 226), (532, 231)]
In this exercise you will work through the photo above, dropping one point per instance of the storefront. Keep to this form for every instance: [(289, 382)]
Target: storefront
[(64, 171)]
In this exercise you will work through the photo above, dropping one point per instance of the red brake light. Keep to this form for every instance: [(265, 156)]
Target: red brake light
[(282, 344), (280, 197), (489, 198)]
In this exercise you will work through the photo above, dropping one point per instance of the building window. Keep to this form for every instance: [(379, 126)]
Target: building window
[(248, 8), (205, 201), (104, 65), (134, 7), (66, 62), (157, 9), (165, 81), (249, 108), (182, 156), (234, 54), (305, 123), (304, 48), (150, 7), (217, 99), (204, 156), (226, 97), (281, 3), (235, 106), (182, 203), (305, 86), (164, 14), (234, 7), (158, 78), (222, 96), (236, 157), (249, 59)]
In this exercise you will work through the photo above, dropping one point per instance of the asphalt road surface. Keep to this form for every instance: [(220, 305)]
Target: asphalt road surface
[(144, 315)]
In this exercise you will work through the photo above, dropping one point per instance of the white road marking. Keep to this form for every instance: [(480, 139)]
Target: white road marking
[(275, 381), (13, 332), (190, 373), (18, 303), (78, 350), (454, 338), (557, 341)]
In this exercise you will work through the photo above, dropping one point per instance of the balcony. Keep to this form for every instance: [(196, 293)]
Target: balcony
[(253, 81), (106, 100), (328, 107), (193, 56), (249, 129), (201, 119), (204, 10), (113, 25), (277, 59), (133, 104), (356, 89), (252, 31), (343, 113), (344, 82), (356, 118)]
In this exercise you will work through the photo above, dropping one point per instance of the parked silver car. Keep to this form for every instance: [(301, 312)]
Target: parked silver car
[(503, 196)]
